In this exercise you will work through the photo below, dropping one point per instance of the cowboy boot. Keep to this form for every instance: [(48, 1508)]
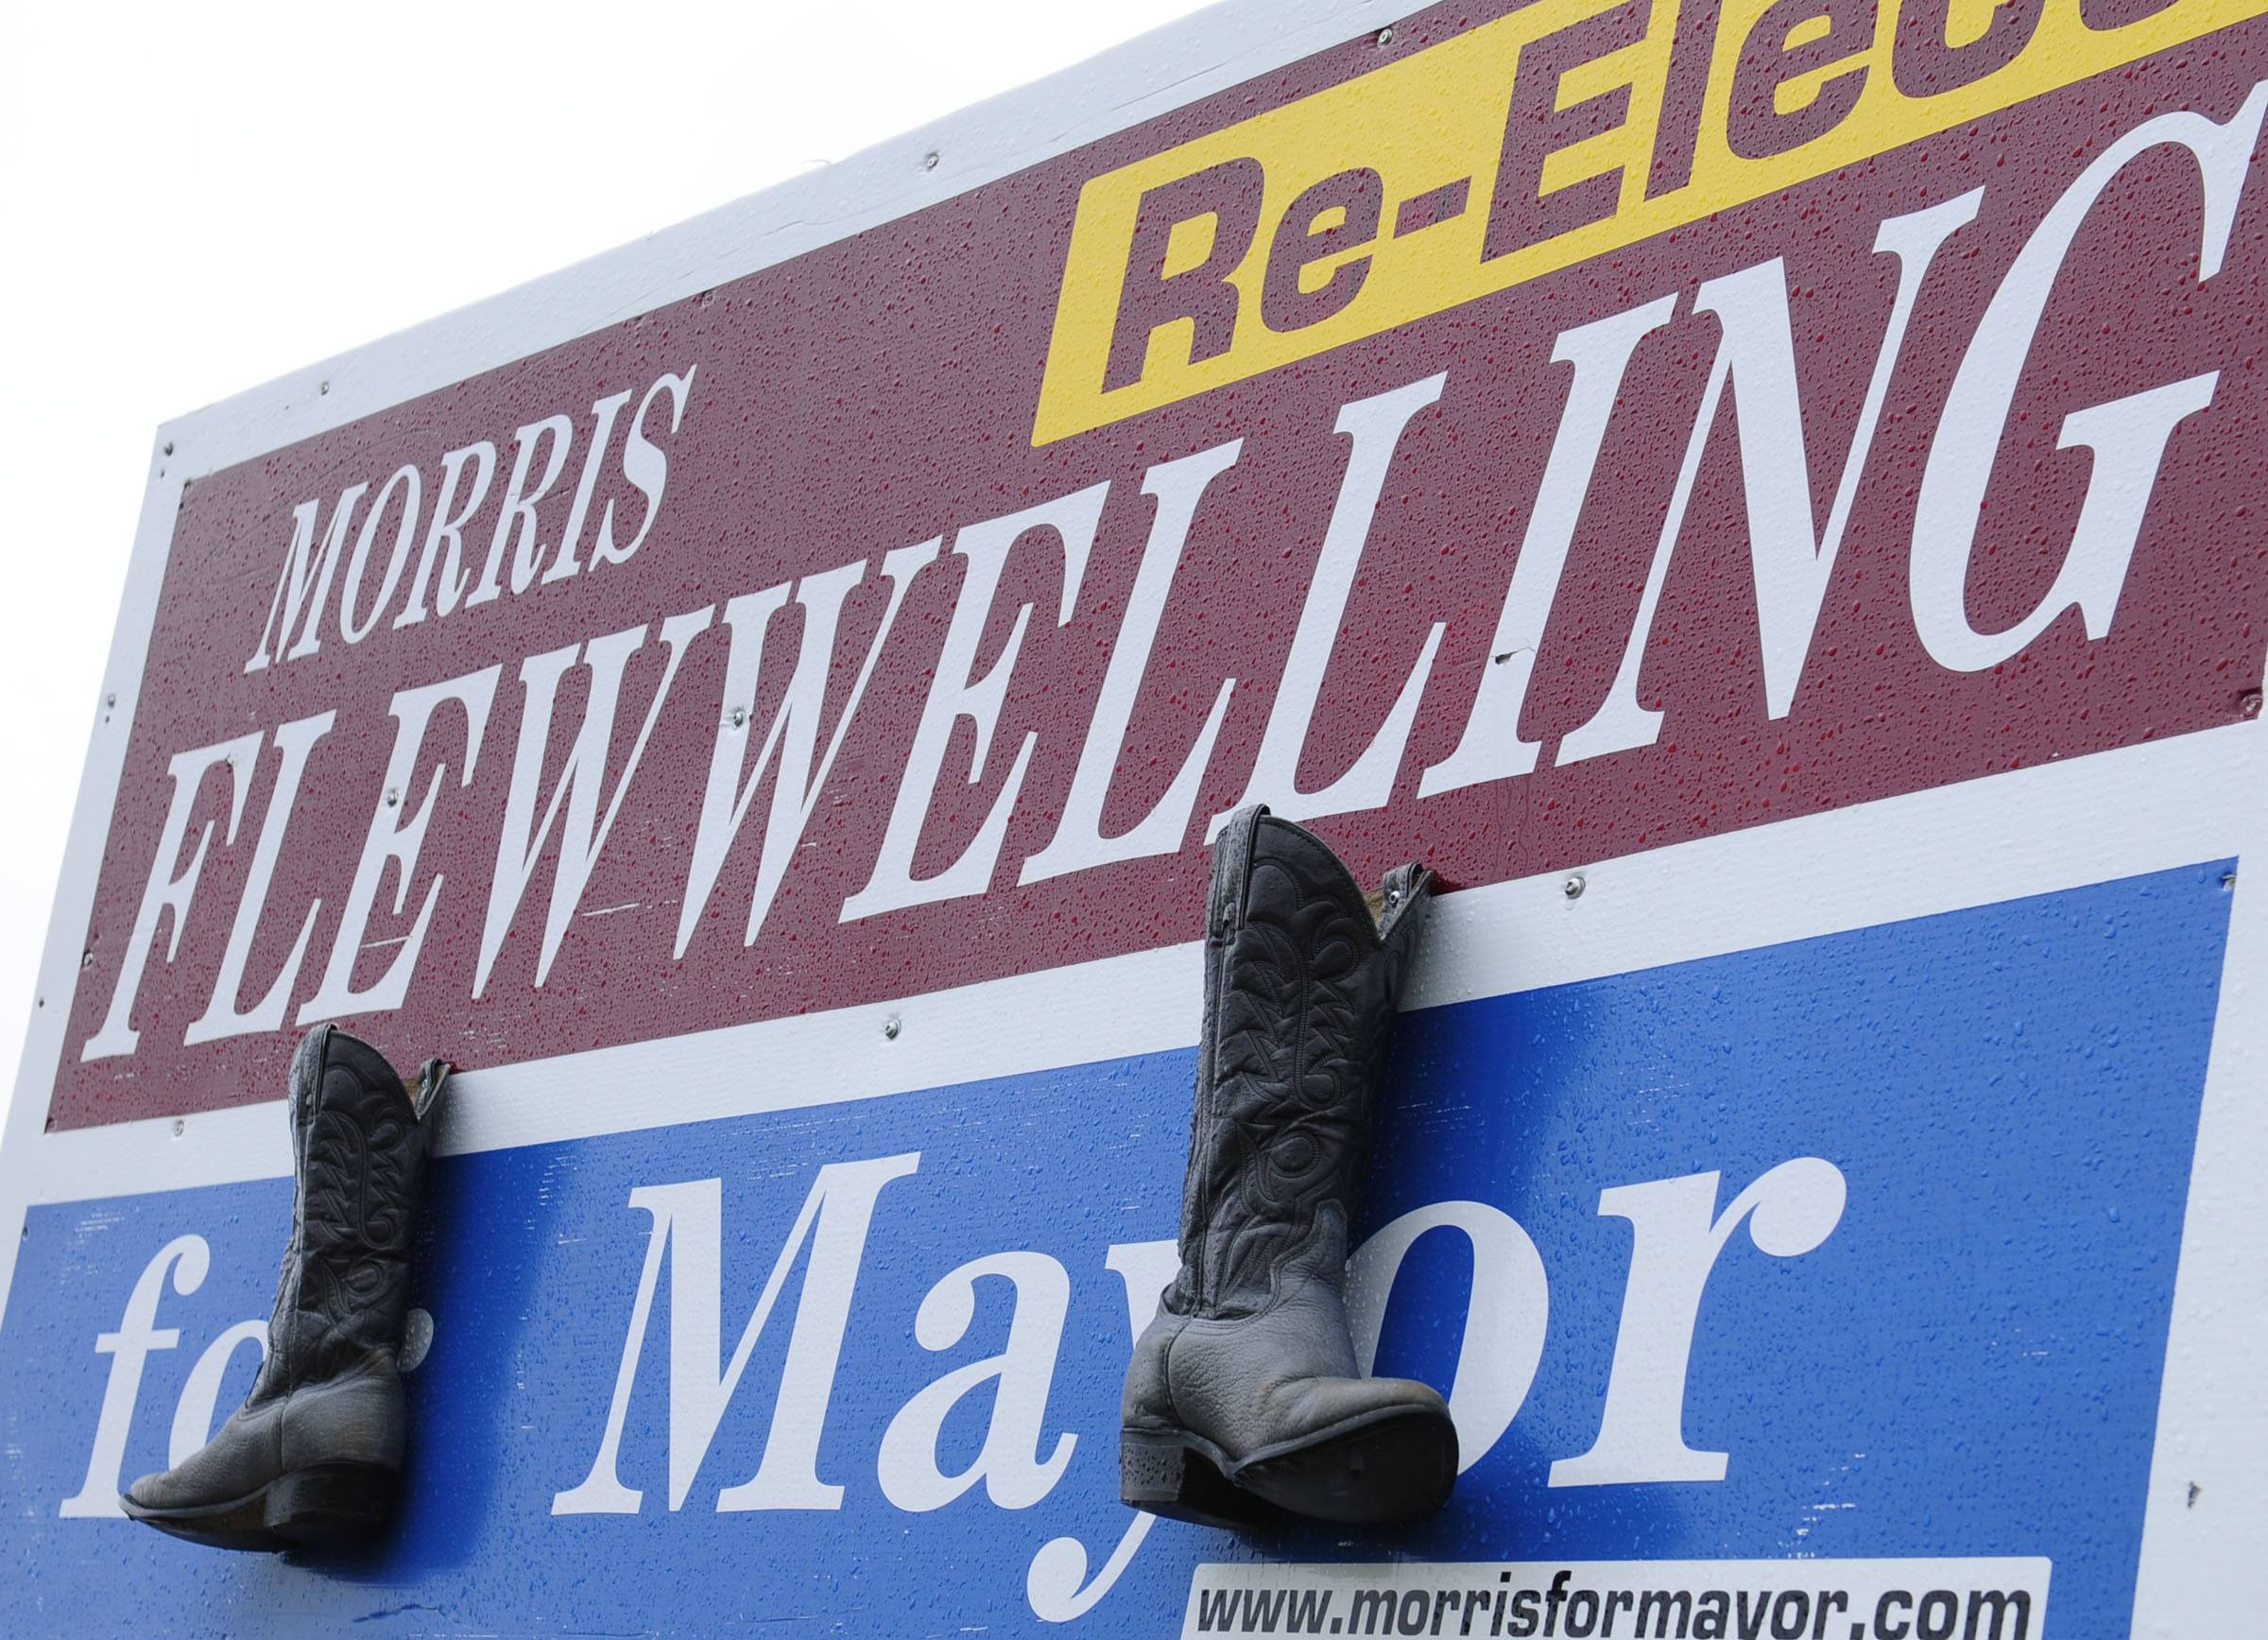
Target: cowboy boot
[(314, 1453), (1243, 1398)]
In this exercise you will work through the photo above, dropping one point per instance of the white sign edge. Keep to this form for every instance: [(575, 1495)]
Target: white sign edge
[(2199, 1566)]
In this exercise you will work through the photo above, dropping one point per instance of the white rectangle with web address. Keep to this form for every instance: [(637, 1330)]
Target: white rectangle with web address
[(1973, 1599)]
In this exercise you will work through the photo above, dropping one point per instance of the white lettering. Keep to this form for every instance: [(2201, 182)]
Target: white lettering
[(450, 527), (1790, 559), (1676, 1238), (171, 893), (793, 738), (578, 787), (1490, 746), (221, 1018), (1022, 1374), (602, 434), (645, 465), (397, 832), (956, 692), (2129, 435), (406, 479), (516, 524), (1504, 1317), (186, 1259), (688, 1228), (305, 583), (1079, 844), (1374, 427)]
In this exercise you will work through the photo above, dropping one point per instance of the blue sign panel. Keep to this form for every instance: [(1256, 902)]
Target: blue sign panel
[(1856, 1248)]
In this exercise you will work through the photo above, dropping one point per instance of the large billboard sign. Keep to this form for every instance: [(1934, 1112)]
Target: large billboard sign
[(1764, 498)]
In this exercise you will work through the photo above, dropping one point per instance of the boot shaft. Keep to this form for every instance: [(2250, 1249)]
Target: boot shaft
[(360, 1135), (1301, 980)]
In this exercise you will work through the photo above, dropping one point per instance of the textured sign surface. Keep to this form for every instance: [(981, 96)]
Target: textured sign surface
[(1763, 499)]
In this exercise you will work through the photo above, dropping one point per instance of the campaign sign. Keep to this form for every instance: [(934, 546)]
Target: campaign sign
[(1761, 498)]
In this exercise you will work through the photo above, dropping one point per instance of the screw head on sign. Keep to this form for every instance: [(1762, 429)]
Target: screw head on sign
[(1574, 886), (929, 161), (393, 798), (2248, 704), (740, 716), (890, 1027), (1385, 37), (179, 1127)]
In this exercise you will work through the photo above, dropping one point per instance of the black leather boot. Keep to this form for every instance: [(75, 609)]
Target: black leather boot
[(314, 1453), (1244, 1399)]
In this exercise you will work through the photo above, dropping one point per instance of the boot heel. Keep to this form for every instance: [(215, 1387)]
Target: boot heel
[(330, 1503), (1164, 1475)]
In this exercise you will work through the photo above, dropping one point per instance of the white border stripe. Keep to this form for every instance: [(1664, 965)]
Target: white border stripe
[(2114, 814), (2117, 814)]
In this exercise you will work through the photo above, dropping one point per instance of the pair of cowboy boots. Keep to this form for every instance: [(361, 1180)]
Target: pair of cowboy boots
[(1243, 1403)]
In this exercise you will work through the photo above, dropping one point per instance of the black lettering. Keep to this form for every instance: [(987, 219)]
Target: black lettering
[(1922, 63), (2020, 1601), (1151, 299), (1660, 1602), (2105, 15), (1754, 126), (1358, 200), (1537, 127), (1882, 1629), (1943, 1601)]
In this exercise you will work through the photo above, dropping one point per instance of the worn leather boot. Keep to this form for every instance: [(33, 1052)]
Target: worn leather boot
[(1244, 1399), (314, 1453)]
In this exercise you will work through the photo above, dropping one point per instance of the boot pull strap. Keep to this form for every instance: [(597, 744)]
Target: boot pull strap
[(1232, 866), (426, 1097), (1405, 898)]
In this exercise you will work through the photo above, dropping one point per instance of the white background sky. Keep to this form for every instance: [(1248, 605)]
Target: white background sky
[(196, 198)]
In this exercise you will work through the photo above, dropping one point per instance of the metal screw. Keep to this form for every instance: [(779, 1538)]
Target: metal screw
[(1573, 887), (179, 1127), (1385, 37), (890, 1027), (86, 959), (2248, 704), (111, 701), (169, 446), (2228, 882), (393, 798), (1393, 898), (322, 386), (740, 716), (929, 161)]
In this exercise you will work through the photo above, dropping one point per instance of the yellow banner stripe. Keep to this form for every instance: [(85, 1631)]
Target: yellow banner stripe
[(1599, 96)]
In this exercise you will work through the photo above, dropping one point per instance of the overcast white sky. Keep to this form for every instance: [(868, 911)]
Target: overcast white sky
[(196, 198)]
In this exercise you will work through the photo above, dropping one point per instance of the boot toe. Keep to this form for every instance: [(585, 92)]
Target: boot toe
[(150, 1491), (186, 1486), (1304, 1406)]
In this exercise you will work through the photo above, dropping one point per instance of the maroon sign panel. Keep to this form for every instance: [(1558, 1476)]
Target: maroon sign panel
[(768, 654)]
